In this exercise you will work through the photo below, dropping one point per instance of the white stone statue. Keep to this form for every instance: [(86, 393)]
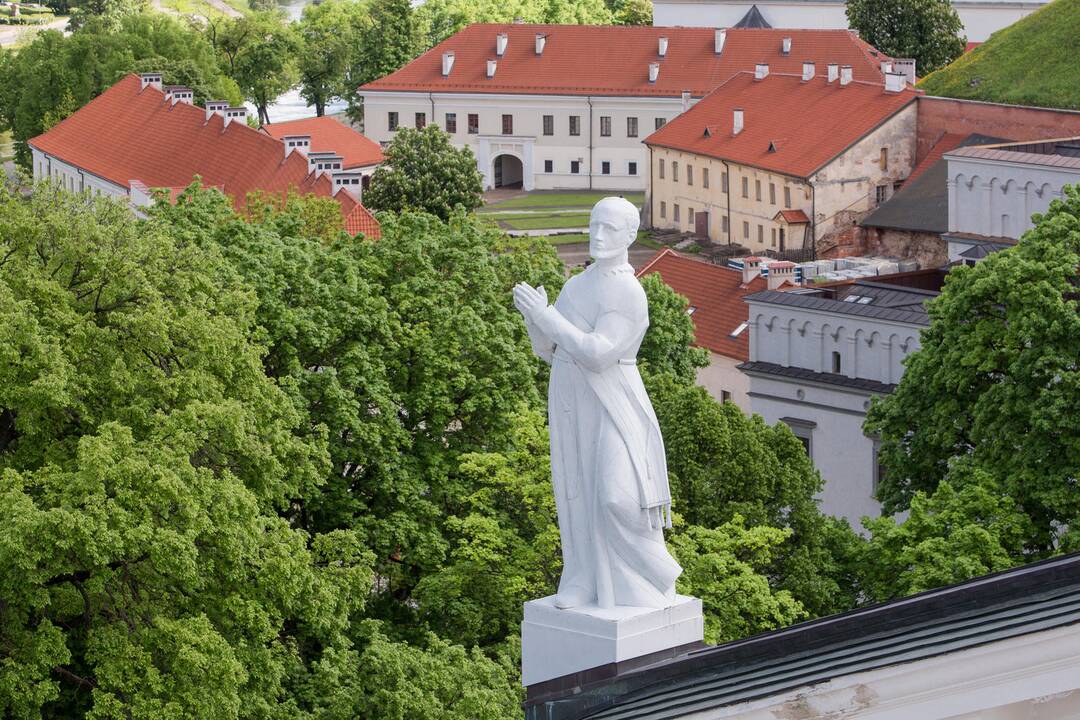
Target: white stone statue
[(608, 466)]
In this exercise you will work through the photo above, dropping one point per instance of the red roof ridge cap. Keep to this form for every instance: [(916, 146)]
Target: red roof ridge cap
[(662, 253)]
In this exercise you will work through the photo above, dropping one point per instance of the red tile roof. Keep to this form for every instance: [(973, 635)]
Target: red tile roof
[(126, 136), (945, 143), (789, 126), (716, 293), (330, 135), (794, 217), (614, 60), (360, 220)]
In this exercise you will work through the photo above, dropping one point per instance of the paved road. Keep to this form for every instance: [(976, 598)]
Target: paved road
[(10, 34), (577, 253)]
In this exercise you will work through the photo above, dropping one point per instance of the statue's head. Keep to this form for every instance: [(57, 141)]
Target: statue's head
[(613, 226)]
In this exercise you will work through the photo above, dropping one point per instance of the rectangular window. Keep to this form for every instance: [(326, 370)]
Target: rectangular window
[(663, 209), (605, 126), (772, 193), (760, 235), (836, 362), (757, 190), (474, 123), (392, 121), (787, 196), (421, 120), (773, 231), (725, 396), (884, 160), (705, 177), (675, 172), (575, 125), (880, 193), (676, 207), (631, 127), (660, 122), (605, 168), (549, 166), (746, 230), (746, 188), (549, 124), (690, 215), (631, 168), (451, 123), (724, 224), (689, 174), (661, 168), (575, 166), (507, 124), (723, 181), (804, 431)]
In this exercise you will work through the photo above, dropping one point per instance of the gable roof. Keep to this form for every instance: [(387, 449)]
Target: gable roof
[(614, 60), (360, 220), (753, 19), (789, 126), (330, 135), (135, 137), (715, 292)]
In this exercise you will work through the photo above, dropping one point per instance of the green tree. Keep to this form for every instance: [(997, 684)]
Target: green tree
[(259, 51), (327, 40), (439, 19), (108, 14), (927, 30), (634, 12), (424, 171), (145, 458), (996, 384), (668, 344), (387, 37)]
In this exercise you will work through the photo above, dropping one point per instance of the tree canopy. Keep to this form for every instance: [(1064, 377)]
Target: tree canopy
[(927, 30)]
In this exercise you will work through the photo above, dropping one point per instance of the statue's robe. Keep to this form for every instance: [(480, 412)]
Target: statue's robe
[(607, 456)]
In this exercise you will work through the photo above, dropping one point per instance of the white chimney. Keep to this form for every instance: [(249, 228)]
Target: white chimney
[(500, 43), (886, 67), (654, 71), (761, 71), (235, 113), (215, 107), (779, 273), (785, 46), (736, 121), (834, 71), (905, 66), (808, 69), (894, 82), (324, 162), (662, 47), (300, 143), (149, 79), (541, 41), (685, 100), (179, 93), (720, 39), (845, 76), (447, 62), (751, 268), (491, 68)]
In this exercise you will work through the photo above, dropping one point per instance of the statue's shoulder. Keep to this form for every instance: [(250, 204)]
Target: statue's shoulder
[(622, 291)]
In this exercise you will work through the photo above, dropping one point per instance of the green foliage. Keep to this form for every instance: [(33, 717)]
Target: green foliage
[(388, 37), (1031, 62), (106, 14), (328, 38), (997, 384), (424, 171), (927, 30), (668, 343), (634, 12), (259, 51), (439, 19)]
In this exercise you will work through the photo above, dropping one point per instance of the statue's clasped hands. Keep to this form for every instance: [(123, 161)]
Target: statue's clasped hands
[(530, 301)]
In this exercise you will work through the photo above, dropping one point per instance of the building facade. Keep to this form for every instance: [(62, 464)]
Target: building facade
[(567, 106)]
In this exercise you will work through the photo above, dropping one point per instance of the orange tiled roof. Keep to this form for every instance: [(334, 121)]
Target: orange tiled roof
[(130, 136), (716, 294), (794, 217), (789, 126), (330, 135), (360, 220), (614, 60)]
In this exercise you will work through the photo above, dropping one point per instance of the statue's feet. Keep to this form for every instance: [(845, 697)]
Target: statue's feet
[(572, 597)]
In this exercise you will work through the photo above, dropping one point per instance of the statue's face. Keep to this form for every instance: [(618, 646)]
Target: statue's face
[(610, 227)]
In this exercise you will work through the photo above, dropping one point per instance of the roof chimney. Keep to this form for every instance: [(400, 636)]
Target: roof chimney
[(541, 41), (447, 62), (149, 78), (779, 273), (905, 66), (736, 121), (179, 93), (500, 43), (235, 113), (808, 69), (894, 82), (751, 268), (662, 46), (685, 100), (845, 76), (834, 71), (761, 71), (300, 143), (215, 107), (491, 68), (886, 67), (654, 71), (785, 46), (720, 39)]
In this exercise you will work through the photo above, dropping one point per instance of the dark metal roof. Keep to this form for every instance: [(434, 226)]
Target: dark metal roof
[(989, 609), (921, 205), (753, 19), (794, 373), (886, 302), (977, 252)]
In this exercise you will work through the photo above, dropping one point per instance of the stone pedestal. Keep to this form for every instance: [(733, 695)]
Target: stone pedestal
[(556, 643)]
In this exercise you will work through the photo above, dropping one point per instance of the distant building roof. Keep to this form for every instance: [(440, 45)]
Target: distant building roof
[(804, 375), (331, 135), (614, 60), (789, 126), (753, 19), (1060, 153), (864, 298)]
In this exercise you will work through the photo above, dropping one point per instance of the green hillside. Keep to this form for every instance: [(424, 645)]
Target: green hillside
[(1035, 61)]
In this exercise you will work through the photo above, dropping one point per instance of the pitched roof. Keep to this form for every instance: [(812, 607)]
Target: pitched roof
[(863, 298), (360, 220), (715, 292), (135, 137), (789, 126), (794, 217), (753, 19), (1061, 153), (944, 144), (330, 135), (614, 60)]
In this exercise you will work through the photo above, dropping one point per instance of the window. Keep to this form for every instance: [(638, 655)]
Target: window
[(879, 469), (774, 237), (804, 430), (689, 174), (787, 196), (760, 235), (746, 230), (605, 126), (690, 215), (451, 123), (507, 124), (421, 120), (675, 172), (549, 124), (724, 224), (631, 168), (772, 193), (659, 122), (365, 182), (723, 181), (746, 188), (575, 166), (605, 168), (880, 193), (725, 396), (704, 177), (676, 207), (575, 124), (884, 160), (661, 168), (549, 166), (391, 121), (836, 362), (757, 190), (631, 127), (474, 123), (663, 209)]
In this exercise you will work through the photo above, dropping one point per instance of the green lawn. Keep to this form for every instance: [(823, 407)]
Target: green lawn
[(544, 199), (7, 147), (544, 222), (644, 238)]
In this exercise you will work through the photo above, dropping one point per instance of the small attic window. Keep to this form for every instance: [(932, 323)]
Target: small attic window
[(774, 145), (691, 310), (708, 132), (739, 330)]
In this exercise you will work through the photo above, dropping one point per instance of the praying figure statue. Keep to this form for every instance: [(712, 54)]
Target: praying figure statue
[(608, 466)]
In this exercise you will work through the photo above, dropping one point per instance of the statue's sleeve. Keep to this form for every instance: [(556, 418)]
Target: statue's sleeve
[(614, 335), (542, 345)]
